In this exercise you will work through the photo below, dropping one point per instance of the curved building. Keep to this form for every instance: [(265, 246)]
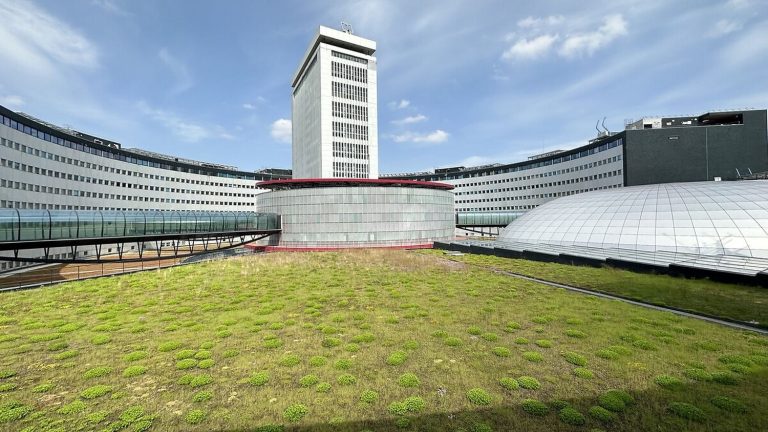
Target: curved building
[(698, 218), (652, 150), (43, 166), (46, 167), (346, 213)]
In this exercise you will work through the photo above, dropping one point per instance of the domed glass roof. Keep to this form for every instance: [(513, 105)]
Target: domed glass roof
[(705, 218)]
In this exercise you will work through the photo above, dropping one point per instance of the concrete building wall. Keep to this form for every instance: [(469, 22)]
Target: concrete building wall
[(307, 125), (361, 216), (36, 174), (700, 153), (336, 77), (527, 185)]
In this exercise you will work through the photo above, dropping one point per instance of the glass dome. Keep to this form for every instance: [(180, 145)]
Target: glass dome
[(704, 218)]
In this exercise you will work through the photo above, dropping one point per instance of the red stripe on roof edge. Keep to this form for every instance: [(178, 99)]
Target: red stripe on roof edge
[(352, 181)]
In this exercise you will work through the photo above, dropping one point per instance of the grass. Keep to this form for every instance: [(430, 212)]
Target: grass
[(367, 340), (731, 301)]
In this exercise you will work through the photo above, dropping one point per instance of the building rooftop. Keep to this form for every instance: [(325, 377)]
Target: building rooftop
[(348, 182), (337, 38)]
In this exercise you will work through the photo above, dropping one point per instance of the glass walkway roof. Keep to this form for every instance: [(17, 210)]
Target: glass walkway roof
[(37, 225)]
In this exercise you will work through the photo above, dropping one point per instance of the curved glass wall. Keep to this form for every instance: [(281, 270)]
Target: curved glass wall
[(20, 225)]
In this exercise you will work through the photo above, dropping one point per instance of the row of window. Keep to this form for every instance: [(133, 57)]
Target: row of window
[(349, 72), (349, 111), (347, 130), (110, 154), (11, 184), (349, 91), (518, 197), (350, 170), (47, 206), (574, 180), (350, 150), (344, 56), (545, 174), (112, 170), (532, 206), (524, 167), (74, 177)]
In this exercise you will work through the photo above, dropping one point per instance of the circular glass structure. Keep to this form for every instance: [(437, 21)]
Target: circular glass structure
[(705, 218), (343, 213)]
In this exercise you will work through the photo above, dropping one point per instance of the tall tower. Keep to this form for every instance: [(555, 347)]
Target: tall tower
[(335, 132)]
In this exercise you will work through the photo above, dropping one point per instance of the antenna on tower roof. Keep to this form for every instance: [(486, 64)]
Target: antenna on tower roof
[(347, 27), (606, 129)]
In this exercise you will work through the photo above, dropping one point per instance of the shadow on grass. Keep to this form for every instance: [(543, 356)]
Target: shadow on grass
[(651, 409)]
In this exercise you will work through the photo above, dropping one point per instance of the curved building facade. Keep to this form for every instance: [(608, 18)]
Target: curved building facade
[(652, 150), (45, 167), (526, 185), (345, 213), (698, 218)]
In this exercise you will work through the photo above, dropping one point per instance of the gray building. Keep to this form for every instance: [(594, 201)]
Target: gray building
[(334, 108), (724, 144)]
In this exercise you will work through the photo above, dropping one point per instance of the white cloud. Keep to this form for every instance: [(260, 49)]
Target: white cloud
[(183, 129), (402, 103), (110, 6), (281, 130), (531, 22), (410, 119), (179, 70), (530, 49), (11, 101), (435, 137), (533, 42), (37, 41), (249, 106), (581, 44), (724, 27)]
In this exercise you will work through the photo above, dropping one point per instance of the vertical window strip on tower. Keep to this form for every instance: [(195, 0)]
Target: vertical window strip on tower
[(352, 73), (350, 170), (350, 150), (348, 91), (349, 57), (350, 111), (347, 130)]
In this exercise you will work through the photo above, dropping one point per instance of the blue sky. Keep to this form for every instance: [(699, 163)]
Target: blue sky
[(460, 82)]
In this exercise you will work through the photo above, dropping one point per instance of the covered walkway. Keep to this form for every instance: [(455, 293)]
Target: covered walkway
[(185, 230)]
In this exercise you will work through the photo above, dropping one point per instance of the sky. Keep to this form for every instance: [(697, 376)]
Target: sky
[(460, 82)]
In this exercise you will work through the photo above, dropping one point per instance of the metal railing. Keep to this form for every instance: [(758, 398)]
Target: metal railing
[(54, 274)]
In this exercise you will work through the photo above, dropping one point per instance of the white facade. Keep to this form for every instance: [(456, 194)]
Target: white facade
[(37, 174), (524, 186), (527, 189), (334, 115), (45, 169)]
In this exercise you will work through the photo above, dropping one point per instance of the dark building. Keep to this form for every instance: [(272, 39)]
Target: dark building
[(683, 149), (726, 145)]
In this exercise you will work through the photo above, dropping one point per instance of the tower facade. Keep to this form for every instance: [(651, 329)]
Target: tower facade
[(334, 123)]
